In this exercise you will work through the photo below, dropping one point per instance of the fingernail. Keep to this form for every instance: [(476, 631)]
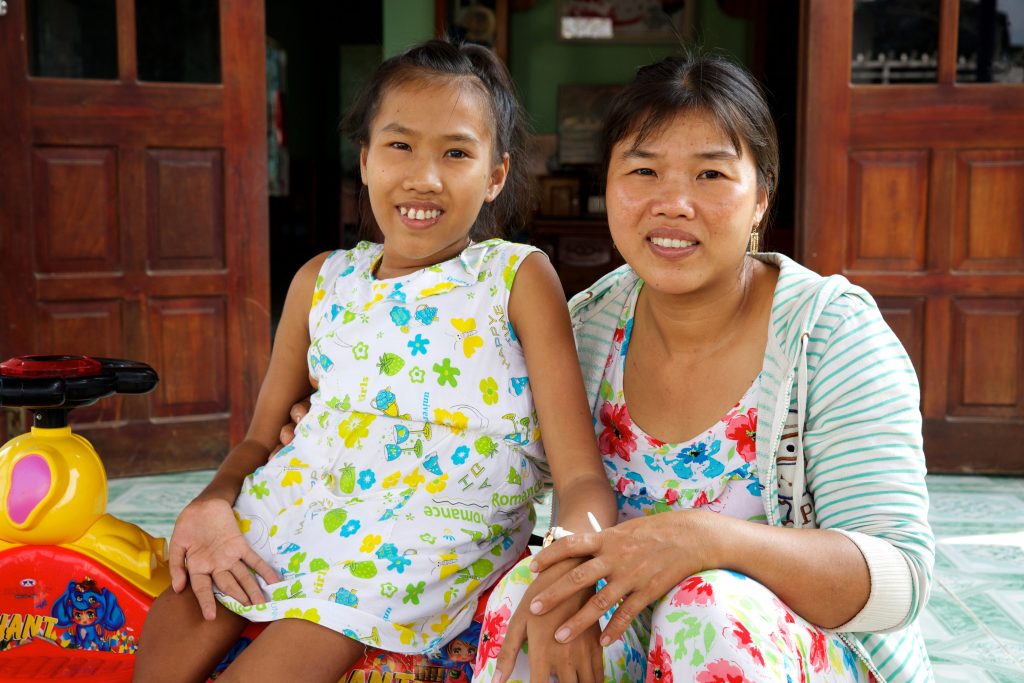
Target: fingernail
[(562, 634), (605, 641), (534, 566), (536, 607)]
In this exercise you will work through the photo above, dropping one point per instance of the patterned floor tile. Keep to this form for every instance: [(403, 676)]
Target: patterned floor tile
[(984, 559), (1001, 656), (954, 672)]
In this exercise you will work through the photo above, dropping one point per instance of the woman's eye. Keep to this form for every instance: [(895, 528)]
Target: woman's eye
[(456, 154), (645, 171), (710, 175), (399, 145)]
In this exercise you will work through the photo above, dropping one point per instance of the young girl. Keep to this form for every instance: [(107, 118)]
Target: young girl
[(408, 488)]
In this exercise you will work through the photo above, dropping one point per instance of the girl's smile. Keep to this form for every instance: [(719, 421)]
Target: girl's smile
[(419, 215)]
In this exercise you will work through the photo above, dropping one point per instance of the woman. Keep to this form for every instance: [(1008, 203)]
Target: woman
[(788, 539)]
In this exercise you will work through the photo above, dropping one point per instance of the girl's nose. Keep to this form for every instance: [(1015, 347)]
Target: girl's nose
[(423, 177)]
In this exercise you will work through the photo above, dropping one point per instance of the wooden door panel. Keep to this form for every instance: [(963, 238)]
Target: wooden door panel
[(987, 360), (189, 341), (916, 193), (989, 231), (185, 193), (75, 209), (888, 201)]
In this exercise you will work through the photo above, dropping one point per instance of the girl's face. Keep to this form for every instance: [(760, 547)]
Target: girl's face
[(681, 206), (429, 167)]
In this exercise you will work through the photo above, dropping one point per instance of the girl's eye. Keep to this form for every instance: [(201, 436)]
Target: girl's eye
[(710, 175), (645, 171), (399, 145), (456, 154)]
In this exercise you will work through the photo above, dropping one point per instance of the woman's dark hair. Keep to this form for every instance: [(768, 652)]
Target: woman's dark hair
[(476, 64), (705, 83)]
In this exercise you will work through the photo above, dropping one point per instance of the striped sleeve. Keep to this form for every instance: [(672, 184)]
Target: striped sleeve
[(865, 460)]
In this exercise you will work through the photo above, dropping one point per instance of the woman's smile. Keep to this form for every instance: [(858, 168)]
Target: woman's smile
[(672, 244)]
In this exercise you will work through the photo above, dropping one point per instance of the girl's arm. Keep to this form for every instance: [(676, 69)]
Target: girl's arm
[(206, 547), (539, 314), (287, 381)]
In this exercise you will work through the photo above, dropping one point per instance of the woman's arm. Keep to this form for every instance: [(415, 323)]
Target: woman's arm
[(206, 547), (864, 458)]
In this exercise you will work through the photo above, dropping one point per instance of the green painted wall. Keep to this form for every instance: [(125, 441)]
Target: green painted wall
[(539, 62), (406, 22)]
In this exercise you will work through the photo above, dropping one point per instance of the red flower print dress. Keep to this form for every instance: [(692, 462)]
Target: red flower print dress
[(714, 627)]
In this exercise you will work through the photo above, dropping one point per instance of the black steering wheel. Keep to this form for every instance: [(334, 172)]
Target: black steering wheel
[(51, 386)]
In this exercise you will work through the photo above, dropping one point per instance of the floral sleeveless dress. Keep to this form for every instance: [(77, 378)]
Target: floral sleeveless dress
[(408, 489), (716, 626)]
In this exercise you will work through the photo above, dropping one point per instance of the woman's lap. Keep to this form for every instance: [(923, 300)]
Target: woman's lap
[(714, 626)]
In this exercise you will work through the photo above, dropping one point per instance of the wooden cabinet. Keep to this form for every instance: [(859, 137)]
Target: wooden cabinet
[(580, 249)]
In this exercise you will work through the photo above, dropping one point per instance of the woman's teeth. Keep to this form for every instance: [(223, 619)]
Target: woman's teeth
[(419, 214), (671, 244)]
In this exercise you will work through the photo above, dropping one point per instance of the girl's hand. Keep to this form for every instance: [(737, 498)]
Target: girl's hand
[(579, 660), (641, 559), (208, 550)]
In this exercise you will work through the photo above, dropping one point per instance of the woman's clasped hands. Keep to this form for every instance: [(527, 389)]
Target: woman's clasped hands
[(639, 561)]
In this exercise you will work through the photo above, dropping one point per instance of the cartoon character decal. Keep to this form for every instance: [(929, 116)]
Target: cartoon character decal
[(90, 614), (458, 655)]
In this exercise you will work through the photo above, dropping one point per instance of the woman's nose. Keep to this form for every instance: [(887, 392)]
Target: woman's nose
[(424, 176), (673, 202)]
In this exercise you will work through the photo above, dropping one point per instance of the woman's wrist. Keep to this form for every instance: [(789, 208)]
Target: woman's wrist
[(703, 535)]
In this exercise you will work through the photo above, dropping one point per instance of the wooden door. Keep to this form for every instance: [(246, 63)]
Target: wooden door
[(916, 192), (133, 212)]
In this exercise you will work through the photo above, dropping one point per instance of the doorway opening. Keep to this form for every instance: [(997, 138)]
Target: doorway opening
[(318, 56)]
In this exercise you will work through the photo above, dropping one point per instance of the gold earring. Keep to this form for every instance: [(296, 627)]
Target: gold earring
[(753, 241)]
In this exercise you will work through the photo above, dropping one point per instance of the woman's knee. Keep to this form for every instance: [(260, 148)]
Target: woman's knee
[(512, 586), (715, 594)]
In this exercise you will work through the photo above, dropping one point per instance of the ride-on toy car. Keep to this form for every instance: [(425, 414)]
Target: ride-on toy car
[(75, 582)]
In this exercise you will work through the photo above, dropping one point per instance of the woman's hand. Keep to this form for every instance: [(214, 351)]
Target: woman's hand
[(208, 550), (641, 559), (579, 660)]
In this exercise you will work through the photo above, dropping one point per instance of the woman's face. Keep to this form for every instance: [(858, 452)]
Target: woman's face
[(682, 204)]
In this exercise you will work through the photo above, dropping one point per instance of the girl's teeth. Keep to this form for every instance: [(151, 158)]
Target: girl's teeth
[(419, 214), (670, 243)]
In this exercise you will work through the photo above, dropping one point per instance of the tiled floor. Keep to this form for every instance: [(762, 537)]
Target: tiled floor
[(974, 624)]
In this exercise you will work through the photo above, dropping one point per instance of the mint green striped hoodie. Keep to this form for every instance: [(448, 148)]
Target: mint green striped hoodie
[(839, 423)]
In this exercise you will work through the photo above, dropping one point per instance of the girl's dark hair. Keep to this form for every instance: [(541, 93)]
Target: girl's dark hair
[(705, 83), (440, 58)]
